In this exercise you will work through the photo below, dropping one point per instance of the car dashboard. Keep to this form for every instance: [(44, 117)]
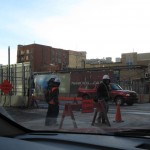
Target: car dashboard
[(46, 140)]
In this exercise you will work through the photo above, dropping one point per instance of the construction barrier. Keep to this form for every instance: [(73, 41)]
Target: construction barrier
[(70, 98), (75, 100), (101, 109), (68, 112), (87, 106)]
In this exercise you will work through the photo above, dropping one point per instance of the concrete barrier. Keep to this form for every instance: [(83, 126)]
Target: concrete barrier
[(16, 101)]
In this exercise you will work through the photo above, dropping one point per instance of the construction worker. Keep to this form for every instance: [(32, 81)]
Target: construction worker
[(51, 97), (103, 94)]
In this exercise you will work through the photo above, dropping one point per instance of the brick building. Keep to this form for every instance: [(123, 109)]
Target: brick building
[(46, 58)]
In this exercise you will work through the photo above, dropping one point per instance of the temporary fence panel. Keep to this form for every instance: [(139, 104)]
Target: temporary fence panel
[(18, 76), (86, 77)]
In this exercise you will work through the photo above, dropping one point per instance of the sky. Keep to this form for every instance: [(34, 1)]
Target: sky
[(102, 28)]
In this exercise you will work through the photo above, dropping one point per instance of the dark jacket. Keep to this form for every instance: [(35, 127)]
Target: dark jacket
[(103, 91), (52, 95)]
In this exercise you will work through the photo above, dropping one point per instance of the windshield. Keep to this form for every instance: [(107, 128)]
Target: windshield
[(50, 48), (115, 87)]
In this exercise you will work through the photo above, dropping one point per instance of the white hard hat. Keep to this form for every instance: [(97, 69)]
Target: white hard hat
[(106, 77), (54, 78), (57, 80)]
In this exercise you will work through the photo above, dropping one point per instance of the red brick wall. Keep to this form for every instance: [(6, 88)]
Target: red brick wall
[(45, 58)]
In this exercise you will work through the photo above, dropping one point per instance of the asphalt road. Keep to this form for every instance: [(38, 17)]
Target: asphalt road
[(136, 116)]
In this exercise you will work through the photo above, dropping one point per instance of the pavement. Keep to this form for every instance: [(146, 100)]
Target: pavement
[(34, 118)]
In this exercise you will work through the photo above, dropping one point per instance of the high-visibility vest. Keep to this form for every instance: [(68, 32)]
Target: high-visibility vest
[(52, 101), (54, 88)]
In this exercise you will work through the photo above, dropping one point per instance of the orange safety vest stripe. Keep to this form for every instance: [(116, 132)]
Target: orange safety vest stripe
[(54, 88), (52, 101)]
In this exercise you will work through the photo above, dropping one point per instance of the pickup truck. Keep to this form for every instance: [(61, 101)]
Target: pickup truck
[(117, 94)]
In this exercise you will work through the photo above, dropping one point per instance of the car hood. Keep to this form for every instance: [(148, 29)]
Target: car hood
[(127, 91)]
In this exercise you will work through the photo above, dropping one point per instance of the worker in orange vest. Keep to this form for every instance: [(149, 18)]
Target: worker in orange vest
[(51, 97)]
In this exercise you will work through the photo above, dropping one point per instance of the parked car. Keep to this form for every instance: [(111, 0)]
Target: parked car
[(117, 94), (122, 96)]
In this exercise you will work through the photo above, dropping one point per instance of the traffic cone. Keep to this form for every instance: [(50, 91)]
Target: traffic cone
[(118, 114)]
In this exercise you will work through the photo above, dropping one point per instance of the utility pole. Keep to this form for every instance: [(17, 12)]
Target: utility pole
[(9, 72), (9, 63)]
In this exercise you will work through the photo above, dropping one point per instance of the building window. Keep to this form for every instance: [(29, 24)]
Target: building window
[(27, 51), (22, 52), (59, 60), (22, 58), (27, 57)]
